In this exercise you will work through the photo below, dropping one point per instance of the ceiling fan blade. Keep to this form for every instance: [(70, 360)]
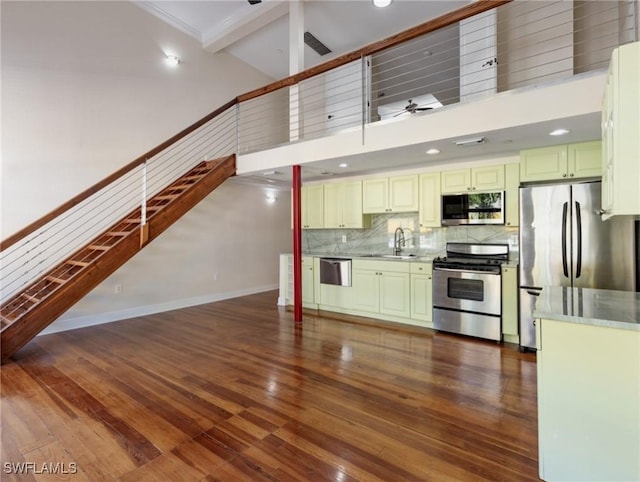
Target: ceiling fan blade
[(423, 108)]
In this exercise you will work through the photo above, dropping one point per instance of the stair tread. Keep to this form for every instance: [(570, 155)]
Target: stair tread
[(163, 197), (56, 280), (78, 263), (118, 233), (99, 247), (33, 299)]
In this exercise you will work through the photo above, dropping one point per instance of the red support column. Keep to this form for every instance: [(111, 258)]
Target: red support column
[(297, 246)]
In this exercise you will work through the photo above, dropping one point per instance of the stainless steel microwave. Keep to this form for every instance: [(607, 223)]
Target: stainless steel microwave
[(473, 208)]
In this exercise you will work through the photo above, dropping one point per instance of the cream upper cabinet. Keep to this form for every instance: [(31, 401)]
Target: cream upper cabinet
[(394, 194), (543, 164), (312, 206), (620, 134), (430, 200), (584, 159), (566, 161), (343, 205), (486, 178), (512, 194)]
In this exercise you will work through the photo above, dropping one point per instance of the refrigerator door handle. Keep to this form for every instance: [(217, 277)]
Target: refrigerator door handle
[(579, 230), (565, 268)]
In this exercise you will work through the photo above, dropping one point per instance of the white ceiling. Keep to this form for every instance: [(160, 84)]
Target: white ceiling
[(259, 34)]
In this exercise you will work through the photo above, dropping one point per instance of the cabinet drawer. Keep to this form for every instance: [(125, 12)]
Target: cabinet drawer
[(378, 265), (421, 268)]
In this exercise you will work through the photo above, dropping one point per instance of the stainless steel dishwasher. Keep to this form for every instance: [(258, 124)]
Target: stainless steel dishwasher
[(335, 271)]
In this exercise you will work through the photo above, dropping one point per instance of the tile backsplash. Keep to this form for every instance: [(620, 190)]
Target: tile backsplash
[(379, 238)]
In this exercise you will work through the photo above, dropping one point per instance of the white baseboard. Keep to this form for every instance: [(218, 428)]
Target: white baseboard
[(108, 317)]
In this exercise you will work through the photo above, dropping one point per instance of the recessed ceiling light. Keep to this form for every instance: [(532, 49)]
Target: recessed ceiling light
[(343, 164), (433, 150), (559, 132), (271, 173), (172, 60), (382, 3)]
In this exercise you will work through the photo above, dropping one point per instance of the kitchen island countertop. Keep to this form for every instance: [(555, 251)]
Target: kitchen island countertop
[(614, 309)]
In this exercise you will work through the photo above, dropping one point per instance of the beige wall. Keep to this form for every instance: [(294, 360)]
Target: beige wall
[(85, 90)]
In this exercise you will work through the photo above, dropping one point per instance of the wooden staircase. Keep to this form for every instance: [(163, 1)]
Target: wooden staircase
[(28, 312)]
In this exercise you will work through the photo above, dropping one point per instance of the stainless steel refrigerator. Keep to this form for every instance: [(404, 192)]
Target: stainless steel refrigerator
[(564, 242)]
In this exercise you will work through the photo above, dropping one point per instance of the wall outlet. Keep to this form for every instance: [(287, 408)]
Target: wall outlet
[(216, 276), (344, 238), (117, 289)]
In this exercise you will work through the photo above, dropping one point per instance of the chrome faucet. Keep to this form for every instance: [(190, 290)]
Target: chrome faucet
[(398, 241)]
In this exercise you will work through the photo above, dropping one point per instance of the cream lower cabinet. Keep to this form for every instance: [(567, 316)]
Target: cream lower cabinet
[(588, 402), (421, 292), (510, 304), (381, 287), (308, 281)]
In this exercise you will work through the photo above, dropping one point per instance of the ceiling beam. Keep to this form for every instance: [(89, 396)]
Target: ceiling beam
[(236, 27)]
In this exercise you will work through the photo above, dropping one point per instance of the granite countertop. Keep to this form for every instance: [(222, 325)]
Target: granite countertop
[(423, 258), (405, 256), (615, 309)]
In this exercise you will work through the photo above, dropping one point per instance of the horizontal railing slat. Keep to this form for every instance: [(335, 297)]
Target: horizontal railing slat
[(414, 32)]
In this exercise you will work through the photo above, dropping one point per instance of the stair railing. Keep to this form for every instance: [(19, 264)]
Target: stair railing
[(37, 248)]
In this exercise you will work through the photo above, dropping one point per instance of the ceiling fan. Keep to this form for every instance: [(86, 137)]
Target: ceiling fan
[(412, 108)]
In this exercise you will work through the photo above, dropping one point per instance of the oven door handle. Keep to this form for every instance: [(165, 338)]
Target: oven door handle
[(456, 270)]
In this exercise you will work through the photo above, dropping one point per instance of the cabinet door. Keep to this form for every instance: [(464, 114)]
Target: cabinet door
[(374, 195), (421, 297), (365, 285), (313, 207), (333, 205), (585, 159), (456, 181), (430, 200), (512, 201), (307, 280), (487, 178), (395, 294), (403, 194), (509, 301), (352, 205), (543, 164)]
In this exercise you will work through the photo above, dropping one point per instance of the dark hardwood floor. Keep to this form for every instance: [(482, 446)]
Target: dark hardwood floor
[(235, 391)]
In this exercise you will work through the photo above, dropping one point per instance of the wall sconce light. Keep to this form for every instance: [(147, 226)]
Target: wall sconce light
[(172, 60), (271, 198)]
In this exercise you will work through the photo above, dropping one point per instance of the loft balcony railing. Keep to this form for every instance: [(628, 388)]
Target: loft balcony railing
[(476, 51), (443, 62)]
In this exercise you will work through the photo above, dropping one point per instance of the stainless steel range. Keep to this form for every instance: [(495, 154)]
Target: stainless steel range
[(467, 289)]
